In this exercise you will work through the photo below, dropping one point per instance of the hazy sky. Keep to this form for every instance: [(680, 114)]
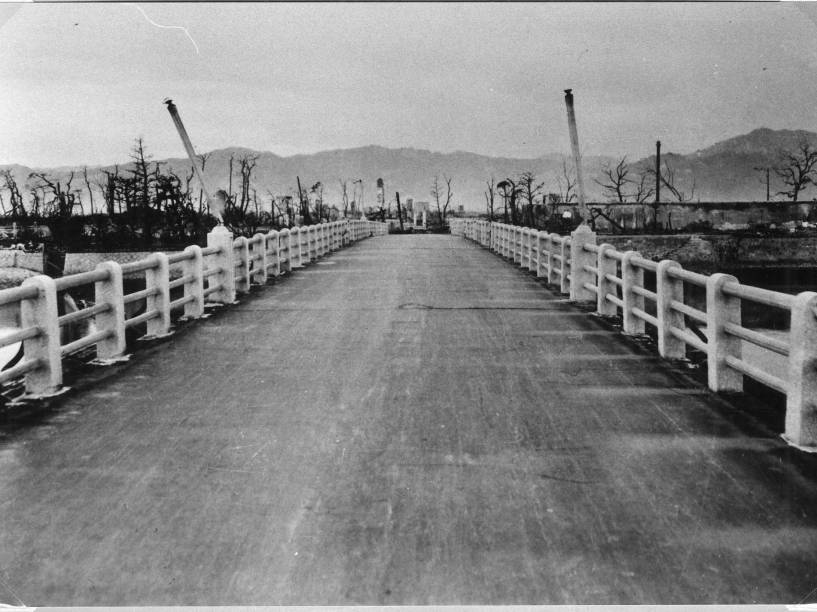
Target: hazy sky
[(81, 81)]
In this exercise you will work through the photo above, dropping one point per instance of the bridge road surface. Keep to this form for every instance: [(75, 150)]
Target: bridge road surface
[(409, 421)]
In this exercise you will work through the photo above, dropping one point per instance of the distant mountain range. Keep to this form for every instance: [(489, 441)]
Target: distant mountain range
[(725, 171)]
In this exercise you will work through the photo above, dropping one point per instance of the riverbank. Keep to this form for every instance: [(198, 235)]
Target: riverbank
[(709, 253)]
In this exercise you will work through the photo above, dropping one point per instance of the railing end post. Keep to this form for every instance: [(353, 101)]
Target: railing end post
[(720, 310), (668, 289), (801, 400), (222, 238), (42, 312), (110, 291)]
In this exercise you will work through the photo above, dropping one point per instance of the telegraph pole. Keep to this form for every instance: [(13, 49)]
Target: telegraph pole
[(766, 171), (215, 205), (657, 172), (574, 144), (399, 210)]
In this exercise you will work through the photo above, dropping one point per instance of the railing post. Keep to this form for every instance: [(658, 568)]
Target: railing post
[(801, 400), (41, 312), (631, 276), (295, 247), (194, 266), (242, 278), (110, 291), (158, 279), (273, 256), (222, 238), (284, 245), (533, 245), (722, 309), (306, 245), (553, 241), (313, 248), (517, 244), (543, 251), (305, 259), (606, 265), (668, 289), (580, 257), (564, 252), (259, 255), (528, 249)]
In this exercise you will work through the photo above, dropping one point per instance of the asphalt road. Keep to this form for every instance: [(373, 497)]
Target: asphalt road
[(409, 421)]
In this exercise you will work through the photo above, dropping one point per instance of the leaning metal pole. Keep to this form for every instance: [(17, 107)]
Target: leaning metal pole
[(574, 144), (215, 206)]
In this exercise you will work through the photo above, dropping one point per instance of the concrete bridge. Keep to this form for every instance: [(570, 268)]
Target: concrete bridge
[(404, 420)]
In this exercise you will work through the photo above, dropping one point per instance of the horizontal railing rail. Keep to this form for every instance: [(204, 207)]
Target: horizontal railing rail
[(615, 282), (213, 275)]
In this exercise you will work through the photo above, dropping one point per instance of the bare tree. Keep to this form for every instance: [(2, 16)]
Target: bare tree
[(63, 199), (344, 196), (317, 191), (203, 157), (529, 189), (567, 183), (246, 166), (442, 200), (230, 194), (644, 189), (88, 187), (109, 190), (670, 181), (796, 170), (143, 188), (509, 191), (15, 197), (615, 180), (489, 198)]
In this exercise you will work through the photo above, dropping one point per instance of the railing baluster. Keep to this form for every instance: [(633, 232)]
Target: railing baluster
[(221, 238), (259, 254), (110, 291), (606, 265), (157, 278), (801, 400), (194, 266), (721, 309), (242, 251), (631, 276), (668, 289), (41, 312)]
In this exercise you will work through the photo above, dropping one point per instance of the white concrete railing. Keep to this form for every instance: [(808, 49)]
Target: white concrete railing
[(456, 225), (213, 274), (615, 282)]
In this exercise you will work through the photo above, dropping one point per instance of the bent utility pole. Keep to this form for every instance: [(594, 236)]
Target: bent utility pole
[(216, 206), (657, 171), (574, 144), (399, 210)]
